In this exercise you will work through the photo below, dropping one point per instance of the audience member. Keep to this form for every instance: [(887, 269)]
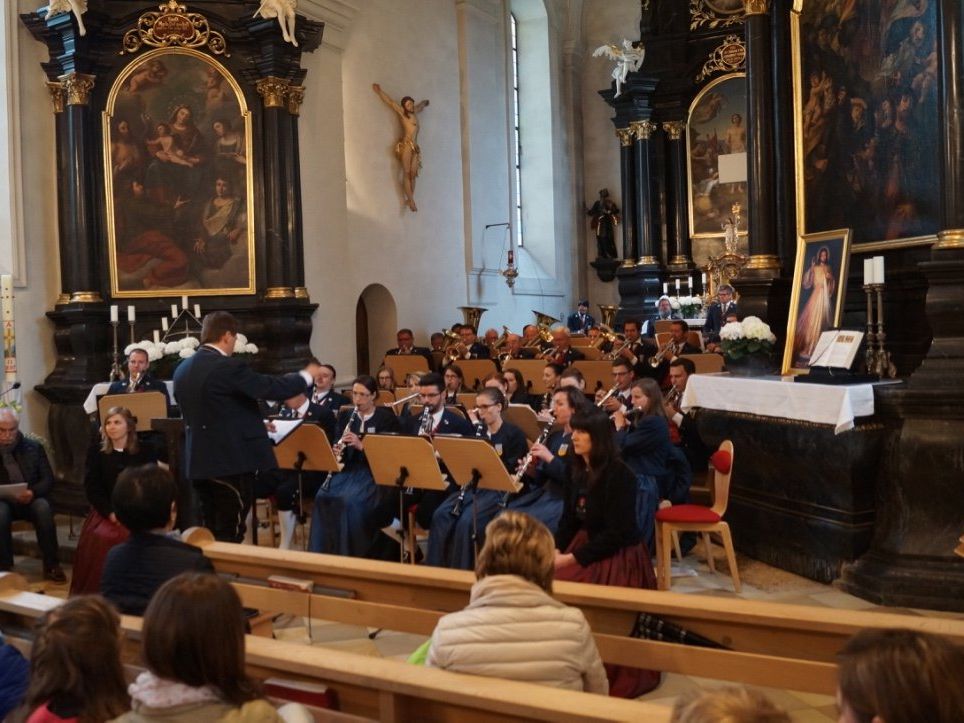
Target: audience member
[(731, 704), (75, 665), (513, 628), (14, 676), (144, 502)]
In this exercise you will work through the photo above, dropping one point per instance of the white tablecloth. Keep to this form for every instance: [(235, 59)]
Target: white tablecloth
[(100, 389), (836, 406)]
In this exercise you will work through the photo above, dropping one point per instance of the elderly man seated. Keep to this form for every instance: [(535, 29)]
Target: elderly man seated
[(25, 462)]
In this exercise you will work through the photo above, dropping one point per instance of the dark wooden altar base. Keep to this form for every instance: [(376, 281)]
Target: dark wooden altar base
[(802, 498)]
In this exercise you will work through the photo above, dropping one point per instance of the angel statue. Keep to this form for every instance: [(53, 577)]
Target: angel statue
[(284, 10), (628, 60), (77, 7)]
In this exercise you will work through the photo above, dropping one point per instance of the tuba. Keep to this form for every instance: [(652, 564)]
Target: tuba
[(544, 320), (607, 314), (472, 315)]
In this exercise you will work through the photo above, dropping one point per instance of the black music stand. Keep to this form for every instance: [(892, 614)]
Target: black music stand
[(401, 462), (474, 464), (306, 449)]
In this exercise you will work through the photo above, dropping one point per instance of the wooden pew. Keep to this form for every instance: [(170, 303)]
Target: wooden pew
[(375, 688), (770, 644)]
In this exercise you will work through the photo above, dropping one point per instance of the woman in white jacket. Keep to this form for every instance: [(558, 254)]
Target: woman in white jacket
[(513, 628)]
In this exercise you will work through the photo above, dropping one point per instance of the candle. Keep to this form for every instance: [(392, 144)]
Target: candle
[(677, 287), (704, 279), (868, 272), (173, 311), (689, 283), (131, 314), (164, 323), (9, 330), (157, 336), (197, 311), (113, 314), (878, 269), (665, 288), (184, 303)]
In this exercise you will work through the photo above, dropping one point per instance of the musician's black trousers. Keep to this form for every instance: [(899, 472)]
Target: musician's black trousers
[(225, 502)]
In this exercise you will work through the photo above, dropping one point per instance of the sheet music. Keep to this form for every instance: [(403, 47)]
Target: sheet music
[(9, 492), (282, 428), (837, 348)]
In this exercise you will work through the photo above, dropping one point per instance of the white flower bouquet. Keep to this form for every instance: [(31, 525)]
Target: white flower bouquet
[(749, 337), (691, 307), (165, 356)]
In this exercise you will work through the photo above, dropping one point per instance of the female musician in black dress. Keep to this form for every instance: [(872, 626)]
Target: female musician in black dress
[(117, 449), (454, 383), (450, 544), (351, 509)]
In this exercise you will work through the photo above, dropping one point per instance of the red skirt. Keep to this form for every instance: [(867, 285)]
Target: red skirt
[(630, 567), (98, 535)]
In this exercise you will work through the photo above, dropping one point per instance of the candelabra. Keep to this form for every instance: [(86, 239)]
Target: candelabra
[(877, 357), (116, 372)]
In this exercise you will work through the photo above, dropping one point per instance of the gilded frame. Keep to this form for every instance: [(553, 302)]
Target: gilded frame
[(248, 196), (838, 244), (796, 53)]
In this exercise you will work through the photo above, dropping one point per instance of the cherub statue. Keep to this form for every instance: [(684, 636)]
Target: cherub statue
[(407, 150), (628, 59), (77, 7), (284, 10)]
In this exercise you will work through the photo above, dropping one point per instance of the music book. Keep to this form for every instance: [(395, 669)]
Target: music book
[(837, 349), (10, 492), (282, 428)]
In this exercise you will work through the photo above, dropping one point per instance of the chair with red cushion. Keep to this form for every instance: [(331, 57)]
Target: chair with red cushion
[(697, 518)]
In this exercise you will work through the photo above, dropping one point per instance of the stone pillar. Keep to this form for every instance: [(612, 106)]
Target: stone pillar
[(296, 269), (628, 186), (647, 230), (679, 246), (58, 99), (275, 127)]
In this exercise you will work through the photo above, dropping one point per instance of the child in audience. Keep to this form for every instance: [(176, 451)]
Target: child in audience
[(900, 676), (732, 704), (75, 666), (193, 646), (513, 628)]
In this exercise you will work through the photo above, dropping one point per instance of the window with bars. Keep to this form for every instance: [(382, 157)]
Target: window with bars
[(517, 145)]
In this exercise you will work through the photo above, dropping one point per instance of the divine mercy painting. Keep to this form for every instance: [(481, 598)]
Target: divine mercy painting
[(177, 140), (867, 117)]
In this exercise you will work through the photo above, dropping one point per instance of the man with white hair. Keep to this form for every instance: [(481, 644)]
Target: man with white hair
[(25, 463)]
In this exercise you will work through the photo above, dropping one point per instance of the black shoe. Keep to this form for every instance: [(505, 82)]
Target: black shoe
[(55, 574)]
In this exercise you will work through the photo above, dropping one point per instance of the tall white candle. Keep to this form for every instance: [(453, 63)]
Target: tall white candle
[(157, 336), (704, 279), (868, 272), (9, 330), (677, 287), (878, 269), (197, 311), (131, 314), (665, 288), (113, 313), (164, 324), (173, 311), (689, 283), (184, 303)]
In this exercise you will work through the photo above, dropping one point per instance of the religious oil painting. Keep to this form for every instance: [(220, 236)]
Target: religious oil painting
[(178, 178), (816, 300), (866, 77), (716, 154)]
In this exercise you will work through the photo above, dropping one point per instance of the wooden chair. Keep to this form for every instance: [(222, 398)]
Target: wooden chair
[(404, 364), (385, 398), (591, 353), (580, 340), (696, 518), (662, 326), (692, 337), (145, 406), (709, 363), (475, 370)]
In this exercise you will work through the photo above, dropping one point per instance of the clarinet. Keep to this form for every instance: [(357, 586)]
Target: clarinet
[(457, 507), (527, 460), (339, 448)]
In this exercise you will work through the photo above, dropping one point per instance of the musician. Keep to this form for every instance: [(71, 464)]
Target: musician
[(138, 365), (623, 378), (385, 376), (718, 311), (450, 544), (322, 393), (664, 311), (562, 352), (437, 340), (406, 346), (471, 347), (515, 350), (454, 379), (517, 391), (550, 378), (572, 377), (351, 508), (696, 451), (580, 321), (636, 350), (490, 339), (531, 338), (594, 333), (678, 344)]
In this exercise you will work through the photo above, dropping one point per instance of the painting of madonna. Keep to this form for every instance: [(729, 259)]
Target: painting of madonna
[(177, 136)]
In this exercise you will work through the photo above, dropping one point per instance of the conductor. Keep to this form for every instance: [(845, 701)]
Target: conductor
[(226, 442)]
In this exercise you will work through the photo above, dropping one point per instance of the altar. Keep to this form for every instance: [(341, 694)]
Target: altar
[(802, 496)]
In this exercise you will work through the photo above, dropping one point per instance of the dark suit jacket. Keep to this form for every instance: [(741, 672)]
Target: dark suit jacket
[(451, 423), (147, 383), (579, 327), (34, 466), (714, 319), (135, 569), (333, 401), (224, 430), (315, 414)]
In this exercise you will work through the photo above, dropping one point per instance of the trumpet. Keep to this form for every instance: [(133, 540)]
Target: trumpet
[(339, 448), (673, 397), (134, 381), (501, 340), (527, 460), (611, 392), (660, 356)]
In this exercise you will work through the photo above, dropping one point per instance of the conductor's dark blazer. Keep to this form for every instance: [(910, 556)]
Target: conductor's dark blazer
[(223, 426)]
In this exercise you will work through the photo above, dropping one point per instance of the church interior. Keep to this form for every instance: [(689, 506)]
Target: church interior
[(741, 218)]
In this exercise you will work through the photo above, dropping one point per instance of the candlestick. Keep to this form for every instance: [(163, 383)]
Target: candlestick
[(164, 324), (197, 312), (115, 367), (113, 314), (131, 314), (173, 311)]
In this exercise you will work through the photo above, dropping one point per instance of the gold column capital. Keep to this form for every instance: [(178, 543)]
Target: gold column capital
[(273, 91), (647, 261), (625, 136), (643, 129), (86, 297), (62, 299), (57, 96), (301, 293), (756, 7), (763, 262), (279, 292), (296, 96), (952, 238), (78, 87), (674, 129)]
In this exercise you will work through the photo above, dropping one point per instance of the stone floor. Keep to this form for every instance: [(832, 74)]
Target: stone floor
[(692, 576)]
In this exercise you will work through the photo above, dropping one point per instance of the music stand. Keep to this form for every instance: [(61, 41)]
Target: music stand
[(474, 464), (145, 406), (531, 370), (401, 462), (306, 449), (598, 374), (522, 416), (404, 364), (475, 370)]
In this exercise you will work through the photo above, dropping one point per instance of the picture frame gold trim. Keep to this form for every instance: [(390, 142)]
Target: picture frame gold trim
[(107, 117), (798, 171), (804, 242), (689, 161)]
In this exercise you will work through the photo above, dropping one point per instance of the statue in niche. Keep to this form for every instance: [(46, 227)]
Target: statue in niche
[(284, 10), (77, 7), (628, 59), (406, 150), (605, 218)]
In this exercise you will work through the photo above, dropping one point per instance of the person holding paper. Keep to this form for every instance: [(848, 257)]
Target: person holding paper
[(817, 314), (25, 463)]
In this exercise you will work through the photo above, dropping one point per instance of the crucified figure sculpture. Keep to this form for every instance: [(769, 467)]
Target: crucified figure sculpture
[(406, 149)]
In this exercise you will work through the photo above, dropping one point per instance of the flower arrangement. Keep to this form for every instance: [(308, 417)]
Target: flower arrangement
[(750, 337), (164, 356)]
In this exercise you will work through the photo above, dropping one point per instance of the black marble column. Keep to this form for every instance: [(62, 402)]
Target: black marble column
[(647, 229), (627, 171), (59, 100), (296, 258), (783, 132), (276, 128), (679, 245)]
